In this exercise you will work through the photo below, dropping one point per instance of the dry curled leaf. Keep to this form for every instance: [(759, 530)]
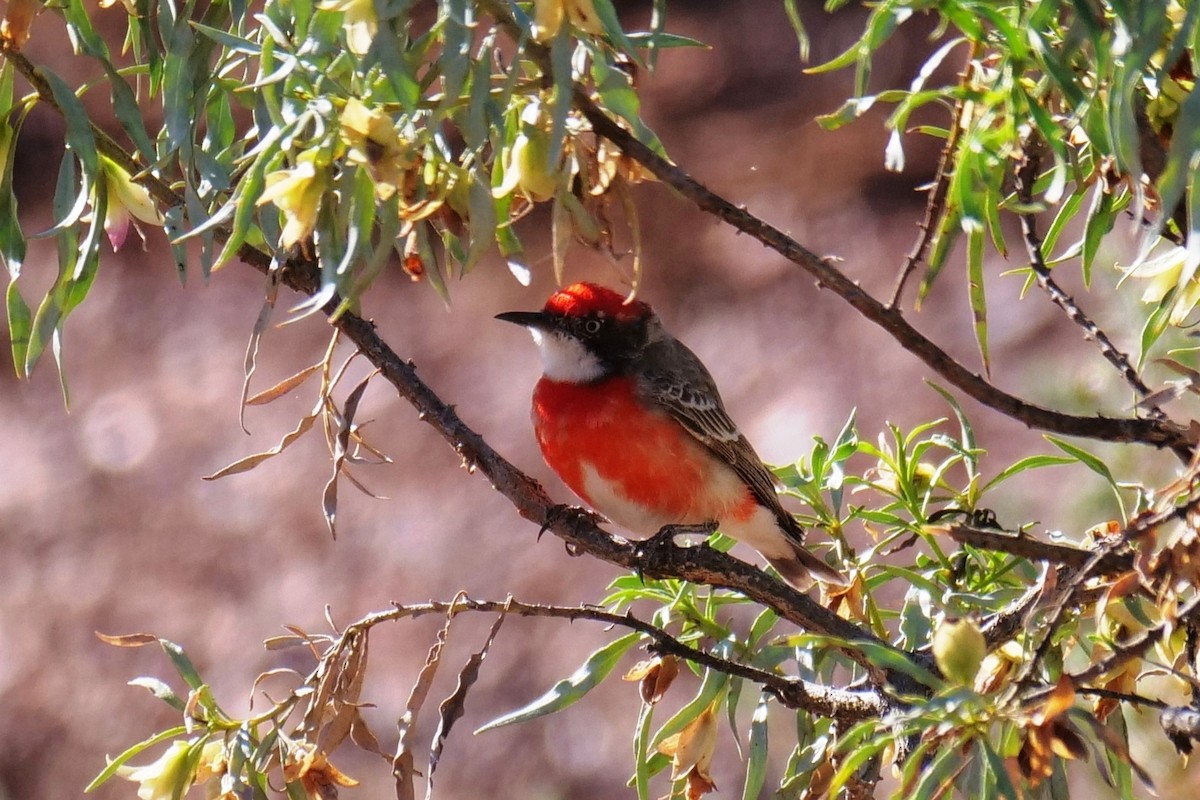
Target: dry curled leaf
[(691, 752), (1048, 734), (127, 639), (656, 676)]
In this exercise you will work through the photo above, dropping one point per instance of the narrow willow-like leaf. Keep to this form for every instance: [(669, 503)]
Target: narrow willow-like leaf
[(1092, 462), (977, 293), (132, 752), (79, 126), (756, 761), (803, 42), (1025, 464), (948, 229), (641, 742), (570, 690), (999, 782), (481, 222)]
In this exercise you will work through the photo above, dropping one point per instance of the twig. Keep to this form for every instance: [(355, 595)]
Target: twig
[(1018, 544), (1124, 697), (1025, 177), (843, 704), (941, 184), (1134, 531), (1131, 648)]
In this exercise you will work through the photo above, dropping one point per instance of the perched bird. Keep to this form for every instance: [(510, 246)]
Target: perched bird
[(632, 422)]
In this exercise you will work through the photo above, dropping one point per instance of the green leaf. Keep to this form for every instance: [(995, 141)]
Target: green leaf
[(661, 40), (20, 326), (79, 127), (1101, 216), (1092, 462), (713, 684), (481, 220), (948, 229), (567, 692), (802, 40), (561, 100), (83, 35), (160, 690), (976, 292), (1027, 463), (756, 761), (120, 760), (641, 742), (998, 773), (613, 30), (249, 189), (1066, 213), (183, 665), (456, 18)]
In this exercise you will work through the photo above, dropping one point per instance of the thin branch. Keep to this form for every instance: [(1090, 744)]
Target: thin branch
[(700, 564), (1123, 697), (1129, 649), (1018, 544), (1146, 431), (843, 704), (1133, 532), (936, 203), (1025, 178)]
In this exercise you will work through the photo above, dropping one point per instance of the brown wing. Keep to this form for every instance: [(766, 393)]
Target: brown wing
[(673, 378)]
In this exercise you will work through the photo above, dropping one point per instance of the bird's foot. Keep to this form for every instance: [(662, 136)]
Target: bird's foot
[(667, 535), (566, 514)]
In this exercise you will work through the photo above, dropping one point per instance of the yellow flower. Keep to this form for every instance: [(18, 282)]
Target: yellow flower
[(1170, 270), (130, 6), (527, 163), (373, 142), (126, 200), (297, 193), (548, 17), (315, 773), (358, 21), (159, 779)]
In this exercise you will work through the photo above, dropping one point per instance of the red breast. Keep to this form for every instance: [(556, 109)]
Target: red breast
[(635, 465)]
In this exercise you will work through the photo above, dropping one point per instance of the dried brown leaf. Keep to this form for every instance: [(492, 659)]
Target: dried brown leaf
[(363, 738), (341, 440), (250, 363), (252, 461), (284, 386), (127, 639), (451, 709), (403, 767)]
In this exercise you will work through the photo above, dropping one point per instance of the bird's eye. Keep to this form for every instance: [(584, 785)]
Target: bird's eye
[(592, 326)]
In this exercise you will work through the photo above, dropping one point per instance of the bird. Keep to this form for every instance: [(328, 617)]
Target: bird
[(633, 423)]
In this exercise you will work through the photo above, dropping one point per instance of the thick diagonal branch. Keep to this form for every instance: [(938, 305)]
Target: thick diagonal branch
[(696, 564)]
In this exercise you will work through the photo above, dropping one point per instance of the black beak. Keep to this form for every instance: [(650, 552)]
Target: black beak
[(528, 319)]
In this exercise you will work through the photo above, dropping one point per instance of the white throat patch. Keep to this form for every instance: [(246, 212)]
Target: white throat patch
[(565, 359)]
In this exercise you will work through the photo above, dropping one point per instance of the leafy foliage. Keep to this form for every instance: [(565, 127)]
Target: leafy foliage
[(350, 137)]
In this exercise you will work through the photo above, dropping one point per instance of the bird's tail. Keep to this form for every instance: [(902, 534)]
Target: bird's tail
[(801, 567)]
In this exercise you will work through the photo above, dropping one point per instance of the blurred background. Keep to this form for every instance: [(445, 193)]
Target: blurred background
[(107, 525)]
